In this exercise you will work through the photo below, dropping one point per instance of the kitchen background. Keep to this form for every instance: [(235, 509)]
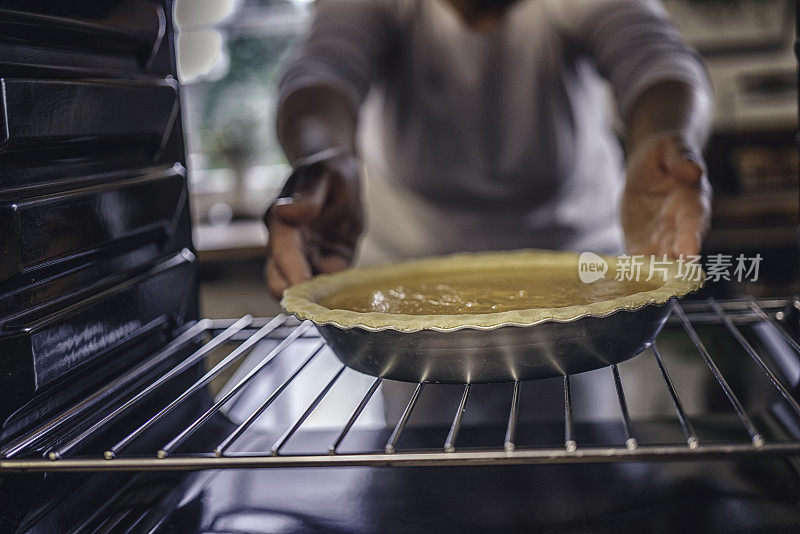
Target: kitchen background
[(230, 55)]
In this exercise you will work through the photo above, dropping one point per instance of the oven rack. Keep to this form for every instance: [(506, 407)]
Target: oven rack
[(23, 454)]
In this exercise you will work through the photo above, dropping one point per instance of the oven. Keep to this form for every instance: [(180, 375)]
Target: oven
[(124, 411)]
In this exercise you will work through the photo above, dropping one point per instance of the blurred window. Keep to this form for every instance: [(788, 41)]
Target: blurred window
[(230, 54)]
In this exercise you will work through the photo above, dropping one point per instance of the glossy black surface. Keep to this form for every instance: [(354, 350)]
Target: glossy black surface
[(107, 213), (97, 270), (94, 226), (718, 497), (54, 342), (102, 37)]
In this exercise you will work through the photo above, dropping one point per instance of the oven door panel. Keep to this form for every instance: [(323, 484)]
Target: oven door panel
[(84, 117), (96, 37), (92, 220), (94, 217), (51, 344), (96, 264)]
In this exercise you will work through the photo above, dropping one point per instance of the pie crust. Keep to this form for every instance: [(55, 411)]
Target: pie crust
[(303, 300)]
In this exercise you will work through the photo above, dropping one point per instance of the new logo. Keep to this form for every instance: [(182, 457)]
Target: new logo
[(591, 267)]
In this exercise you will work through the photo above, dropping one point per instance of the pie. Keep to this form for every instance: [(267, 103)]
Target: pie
[(483, 290)]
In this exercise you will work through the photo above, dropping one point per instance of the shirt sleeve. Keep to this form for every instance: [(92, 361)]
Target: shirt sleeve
[(344, 48), (634, 44)]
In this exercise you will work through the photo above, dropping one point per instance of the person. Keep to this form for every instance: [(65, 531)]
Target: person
[(437, 126)]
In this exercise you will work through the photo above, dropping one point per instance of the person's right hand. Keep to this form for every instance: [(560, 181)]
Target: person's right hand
[(314, 225), (666, 205)]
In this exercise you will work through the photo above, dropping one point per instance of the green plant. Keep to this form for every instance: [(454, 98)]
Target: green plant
[(238, 110)]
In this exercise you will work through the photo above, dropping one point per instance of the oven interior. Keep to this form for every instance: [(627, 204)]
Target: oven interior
[(121, 403)]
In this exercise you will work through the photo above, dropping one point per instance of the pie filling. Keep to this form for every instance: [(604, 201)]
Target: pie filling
[(484, 291)]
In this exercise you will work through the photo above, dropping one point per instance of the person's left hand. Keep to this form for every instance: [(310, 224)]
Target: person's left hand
[(666, 204)]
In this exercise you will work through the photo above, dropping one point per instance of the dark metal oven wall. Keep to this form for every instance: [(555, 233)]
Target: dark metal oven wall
[(96, 260)]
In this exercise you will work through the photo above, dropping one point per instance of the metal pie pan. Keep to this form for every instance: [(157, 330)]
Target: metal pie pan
[(503, 354)]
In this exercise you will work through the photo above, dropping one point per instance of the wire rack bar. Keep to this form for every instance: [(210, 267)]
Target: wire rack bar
[(691, 436), (450, 441), (754, 355), (644, 453), (258, 322), (226, 362), (755, 435), (739, 311), (235, 390), (179, 369), (511, 428), (356, 413), (220, 449), (736, 304), (311, 407), (630, 442), (774, 324), (391, 444), (710, 318), (569, 441), (49, 428)]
